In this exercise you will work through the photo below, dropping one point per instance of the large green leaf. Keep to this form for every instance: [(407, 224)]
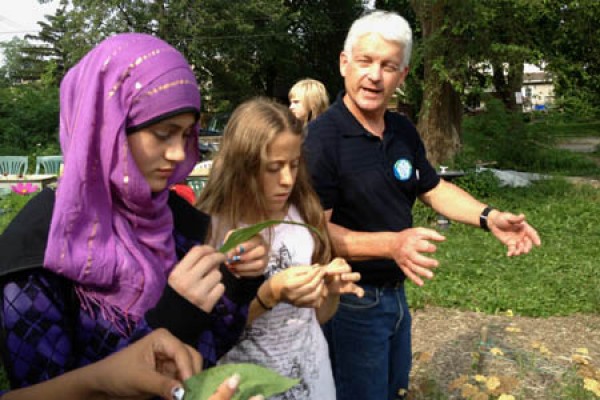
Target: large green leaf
[(254, 380), (242, 235)]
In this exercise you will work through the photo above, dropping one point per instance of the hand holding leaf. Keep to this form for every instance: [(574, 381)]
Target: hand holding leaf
[(254, 380)]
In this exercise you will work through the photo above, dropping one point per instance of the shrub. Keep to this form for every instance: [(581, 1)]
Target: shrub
[(480, 185)]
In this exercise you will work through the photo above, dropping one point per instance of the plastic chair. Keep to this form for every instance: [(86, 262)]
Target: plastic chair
[(51, 164), (13, 165), (204, 164), (197, 184)]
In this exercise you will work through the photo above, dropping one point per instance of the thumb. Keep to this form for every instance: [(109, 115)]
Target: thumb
[(516, 219)]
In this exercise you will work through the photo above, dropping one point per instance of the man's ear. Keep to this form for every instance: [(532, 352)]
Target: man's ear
[(403, 76), (343, 63)]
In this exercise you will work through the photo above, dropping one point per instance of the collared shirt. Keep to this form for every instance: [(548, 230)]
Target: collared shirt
[(370, 184)]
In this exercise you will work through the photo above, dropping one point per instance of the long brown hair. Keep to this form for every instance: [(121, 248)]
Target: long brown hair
[(234, 194)]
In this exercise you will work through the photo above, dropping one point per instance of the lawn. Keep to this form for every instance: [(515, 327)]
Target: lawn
[(559, 278)]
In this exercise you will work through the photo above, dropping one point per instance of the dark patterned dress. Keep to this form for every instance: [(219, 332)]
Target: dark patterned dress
[(46, 330)]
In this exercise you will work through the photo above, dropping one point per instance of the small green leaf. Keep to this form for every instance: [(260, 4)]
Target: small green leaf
[(242, 235), (254, 380)]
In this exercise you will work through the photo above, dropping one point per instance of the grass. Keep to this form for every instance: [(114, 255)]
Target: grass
[(559, 278), (561, 129)]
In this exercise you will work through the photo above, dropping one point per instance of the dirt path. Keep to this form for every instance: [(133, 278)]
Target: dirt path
[(529, 358), (586, 145)]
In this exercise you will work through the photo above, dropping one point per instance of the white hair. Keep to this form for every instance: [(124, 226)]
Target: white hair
[(389, 25)]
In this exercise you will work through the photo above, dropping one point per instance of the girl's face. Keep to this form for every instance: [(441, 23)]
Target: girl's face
[(297, 108), (158, 148), (280, 170)]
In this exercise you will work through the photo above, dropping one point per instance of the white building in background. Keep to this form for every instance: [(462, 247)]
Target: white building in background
[(538, 89)]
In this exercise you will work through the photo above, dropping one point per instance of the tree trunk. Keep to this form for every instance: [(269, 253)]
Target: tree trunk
[(506, 84), (441, 111), (440, 120)]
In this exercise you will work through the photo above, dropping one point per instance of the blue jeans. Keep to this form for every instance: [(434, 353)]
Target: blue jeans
[(369, 344)]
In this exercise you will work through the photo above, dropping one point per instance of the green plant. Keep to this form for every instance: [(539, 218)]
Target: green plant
[(481, 185), (10, 205), (570, 386)]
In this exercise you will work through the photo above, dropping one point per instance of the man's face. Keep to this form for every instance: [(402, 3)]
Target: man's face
[(372, 73)]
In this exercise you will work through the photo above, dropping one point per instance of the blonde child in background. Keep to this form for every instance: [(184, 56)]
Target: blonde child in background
[(308, 99), (259, 174)]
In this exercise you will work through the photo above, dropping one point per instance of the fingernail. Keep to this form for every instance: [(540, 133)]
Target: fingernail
[(242, 249), (177, 393), (233, 381), (236, 258)]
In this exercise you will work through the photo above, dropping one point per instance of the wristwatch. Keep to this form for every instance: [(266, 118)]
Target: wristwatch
[(483, 218)]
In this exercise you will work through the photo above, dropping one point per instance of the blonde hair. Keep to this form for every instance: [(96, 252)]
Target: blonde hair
[(234, 194), (313, 96)]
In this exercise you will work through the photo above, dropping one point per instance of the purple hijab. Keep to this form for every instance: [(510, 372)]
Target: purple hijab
[(110, 234)]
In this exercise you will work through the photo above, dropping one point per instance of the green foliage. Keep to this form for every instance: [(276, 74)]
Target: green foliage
[(577, 106), (481, 185), (254, 380), (29, 120), (502, 137), (10, 205), (558, 278), (567, 36)]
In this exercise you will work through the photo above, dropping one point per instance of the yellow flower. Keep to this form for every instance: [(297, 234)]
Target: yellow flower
[(506, 397), (496, 351), (592, 385), (492, 383)]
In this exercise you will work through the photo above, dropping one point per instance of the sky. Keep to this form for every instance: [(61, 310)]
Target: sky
[(19, 17)]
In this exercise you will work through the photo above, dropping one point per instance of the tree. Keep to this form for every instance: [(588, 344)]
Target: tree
[(28, 117), (455, 40), (568, 38)]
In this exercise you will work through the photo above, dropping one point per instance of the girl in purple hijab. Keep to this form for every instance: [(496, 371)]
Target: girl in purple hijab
[(113, 253)]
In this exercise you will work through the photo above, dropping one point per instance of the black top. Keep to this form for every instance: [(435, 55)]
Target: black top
[(370, 184)]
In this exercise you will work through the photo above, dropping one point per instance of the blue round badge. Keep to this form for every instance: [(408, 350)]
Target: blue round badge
[(403, 169)]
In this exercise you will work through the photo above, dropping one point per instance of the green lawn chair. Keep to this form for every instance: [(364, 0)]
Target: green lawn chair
[(13, 165), (50, 164)]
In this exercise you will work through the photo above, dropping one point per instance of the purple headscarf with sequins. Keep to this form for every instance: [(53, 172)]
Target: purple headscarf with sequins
[(110, 234)]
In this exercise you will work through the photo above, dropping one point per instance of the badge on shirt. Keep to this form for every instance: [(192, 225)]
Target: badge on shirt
[(403, 169)]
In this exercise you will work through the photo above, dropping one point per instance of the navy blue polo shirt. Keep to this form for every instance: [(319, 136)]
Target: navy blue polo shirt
[(370, 184)]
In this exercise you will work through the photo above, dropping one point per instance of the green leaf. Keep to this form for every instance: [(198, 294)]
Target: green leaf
[(242, 235), (254, 380)]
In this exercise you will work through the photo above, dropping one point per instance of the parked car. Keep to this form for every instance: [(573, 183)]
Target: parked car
[(210, 137)]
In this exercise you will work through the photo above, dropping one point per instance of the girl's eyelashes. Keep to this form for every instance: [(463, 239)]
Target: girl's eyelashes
[(276, 166), (161, 134)]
